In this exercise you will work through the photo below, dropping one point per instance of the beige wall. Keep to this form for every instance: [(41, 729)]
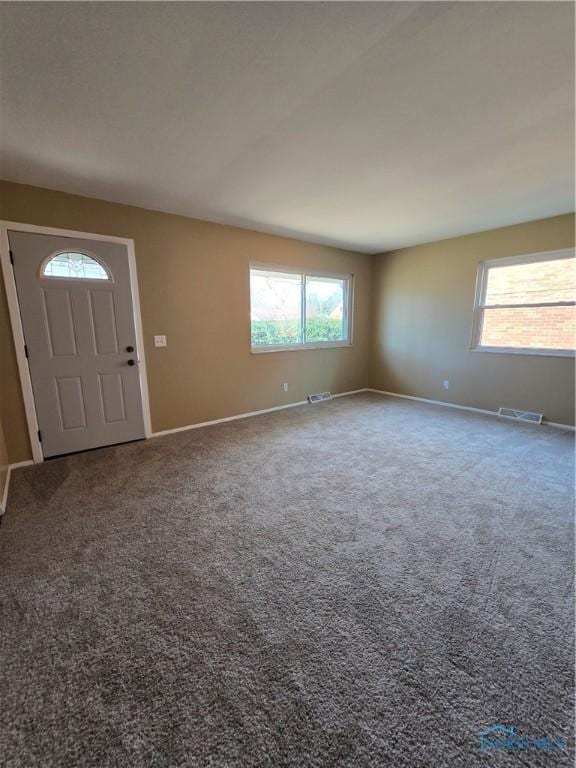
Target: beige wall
[(193, 280), (422, 317), (194, 287)]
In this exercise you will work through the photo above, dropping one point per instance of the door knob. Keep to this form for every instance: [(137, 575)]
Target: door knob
[(131, 362), (130, 349)]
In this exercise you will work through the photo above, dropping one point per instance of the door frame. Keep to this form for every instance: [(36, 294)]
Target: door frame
[(18, 332)]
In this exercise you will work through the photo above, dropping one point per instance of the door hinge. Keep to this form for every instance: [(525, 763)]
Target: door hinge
[(11, 258), (39, 436), (26, 350)]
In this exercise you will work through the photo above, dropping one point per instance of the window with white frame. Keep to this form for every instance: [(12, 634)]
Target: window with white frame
[(294, 309), (527, 304)]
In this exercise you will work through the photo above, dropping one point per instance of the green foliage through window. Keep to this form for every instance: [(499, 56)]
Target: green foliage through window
[(318, 329)]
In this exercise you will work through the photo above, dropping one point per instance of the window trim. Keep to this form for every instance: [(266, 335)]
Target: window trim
[(347, 313), (479, 306)]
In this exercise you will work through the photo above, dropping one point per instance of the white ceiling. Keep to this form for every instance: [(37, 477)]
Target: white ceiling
[(366, 125)]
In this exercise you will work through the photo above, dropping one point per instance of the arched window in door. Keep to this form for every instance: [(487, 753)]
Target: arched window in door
[(74, 265)]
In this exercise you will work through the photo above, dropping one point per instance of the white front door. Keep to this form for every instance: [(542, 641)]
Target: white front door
[(77, 314)]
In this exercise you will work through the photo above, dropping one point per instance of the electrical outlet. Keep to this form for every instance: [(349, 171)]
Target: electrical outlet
[(285, 386), (446, 384), (160, 341)]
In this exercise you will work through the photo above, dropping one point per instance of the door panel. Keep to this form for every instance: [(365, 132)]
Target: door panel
[(104, 323), (112, 397), (59, 322), (71, 402), (78, 322)]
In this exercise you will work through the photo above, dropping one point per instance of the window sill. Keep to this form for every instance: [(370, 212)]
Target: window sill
[(300, 347), (520, 351)]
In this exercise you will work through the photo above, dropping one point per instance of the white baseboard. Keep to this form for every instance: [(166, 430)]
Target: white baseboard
[(461, 407), (434, 402), (227, 418), (11, 467), (556, 425), (352, 392), (247, 415)]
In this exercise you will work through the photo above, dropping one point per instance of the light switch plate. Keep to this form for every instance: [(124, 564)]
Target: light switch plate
[(159, 341)]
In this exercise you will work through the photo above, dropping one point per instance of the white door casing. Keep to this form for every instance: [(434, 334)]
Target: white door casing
[(83, 338)]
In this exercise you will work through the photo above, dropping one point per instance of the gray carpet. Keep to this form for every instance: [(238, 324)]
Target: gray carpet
[(365, 582)]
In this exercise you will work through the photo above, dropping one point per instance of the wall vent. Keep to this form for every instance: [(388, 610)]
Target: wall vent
[(512, 413), (317, 398)]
